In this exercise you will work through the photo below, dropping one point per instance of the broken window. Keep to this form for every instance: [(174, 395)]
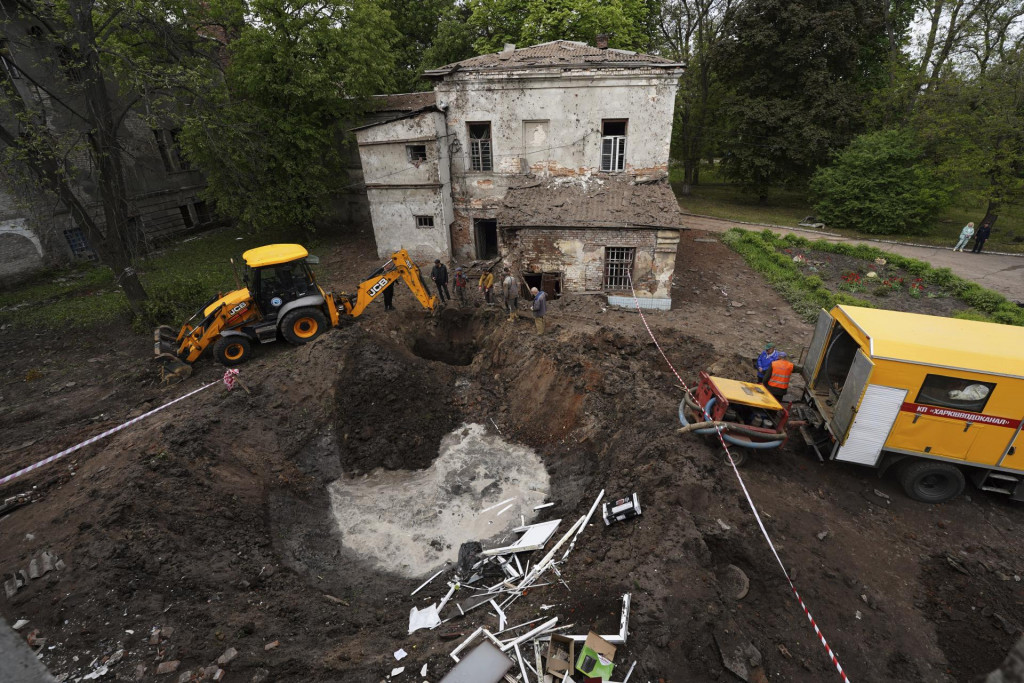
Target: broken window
[(618, 267), (480, 147), (417, 153), (203, 214), (613, 145), (170, 153), (426, 222)]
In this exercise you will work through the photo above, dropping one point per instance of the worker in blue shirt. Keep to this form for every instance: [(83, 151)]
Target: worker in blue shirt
[(763, 364)]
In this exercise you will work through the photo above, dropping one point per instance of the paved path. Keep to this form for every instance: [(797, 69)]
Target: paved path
[(1003, 273)]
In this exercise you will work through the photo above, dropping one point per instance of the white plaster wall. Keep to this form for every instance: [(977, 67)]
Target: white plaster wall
[(394, 212), (389, 163), (572, 104)]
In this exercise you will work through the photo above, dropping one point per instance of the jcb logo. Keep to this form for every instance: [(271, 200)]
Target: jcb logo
[(379, 285), (238, 308)]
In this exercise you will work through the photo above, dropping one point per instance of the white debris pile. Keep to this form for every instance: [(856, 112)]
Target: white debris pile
[(535, 651)]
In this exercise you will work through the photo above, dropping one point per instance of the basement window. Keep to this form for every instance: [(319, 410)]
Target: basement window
[(79, 247), (480, 156), (425, 222), (417, 153), (618, 267), (613, 145)]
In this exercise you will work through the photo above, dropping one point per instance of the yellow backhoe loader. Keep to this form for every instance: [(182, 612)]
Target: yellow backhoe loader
[(281, 299)]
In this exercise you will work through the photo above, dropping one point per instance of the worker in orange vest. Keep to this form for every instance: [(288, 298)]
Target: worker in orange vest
[(778, 380)]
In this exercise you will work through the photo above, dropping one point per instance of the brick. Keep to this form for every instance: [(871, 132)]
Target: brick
[(271, 646), (167, 667)]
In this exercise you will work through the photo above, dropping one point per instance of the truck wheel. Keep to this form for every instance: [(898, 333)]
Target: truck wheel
[(232, 350), (931, 482), (303, 325)]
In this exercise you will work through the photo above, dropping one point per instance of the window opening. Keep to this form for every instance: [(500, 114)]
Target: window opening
[(955, 392), (417, 153), (613, 145), (186, 216), (480, 158), (618, 267), (426, 222)]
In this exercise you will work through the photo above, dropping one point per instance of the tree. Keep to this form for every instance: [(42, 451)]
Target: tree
[(418, 22), (799, 73), (453, 40), (270, 140), (111, 60), (692, 31), (880, 184), (631, 24)]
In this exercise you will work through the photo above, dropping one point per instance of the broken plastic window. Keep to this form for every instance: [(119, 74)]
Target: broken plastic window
[(480, 158)]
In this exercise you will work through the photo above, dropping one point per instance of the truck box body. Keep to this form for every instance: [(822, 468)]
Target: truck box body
[(925, 386)]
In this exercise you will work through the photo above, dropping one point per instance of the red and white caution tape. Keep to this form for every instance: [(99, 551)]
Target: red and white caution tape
[(743, 486), (68, 451), (230, 378)]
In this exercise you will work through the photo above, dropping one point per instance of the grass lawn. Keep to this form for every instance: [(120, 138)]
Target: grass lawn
[(178, 279), (788, 207)]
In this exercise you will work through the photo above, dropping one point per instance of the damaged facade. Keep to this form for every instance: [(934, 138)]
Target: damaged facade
[(554, 157), (163, 189)]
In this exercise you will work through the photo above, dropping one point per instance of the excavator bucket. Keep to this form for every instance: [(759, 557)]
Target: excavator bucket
[(165, 352)]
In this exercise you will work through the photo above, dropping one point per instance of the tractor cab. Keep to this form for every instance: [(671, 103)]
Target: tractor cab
[(276, 275)]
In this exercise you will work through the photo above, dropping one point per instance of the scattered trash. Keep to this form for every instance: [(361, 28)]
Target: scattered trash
[(595, 658), (424, 618), (621, 509), (395, 672), (423, 671), (485, 664), (534, 537), (271, 646), (561, 655), (20, 624), (541, 507), (822, 534), (725, 527), (400, 655)]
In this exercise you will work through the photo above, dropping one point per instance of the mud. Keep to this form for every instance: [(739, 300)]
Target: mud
[(216, 518)]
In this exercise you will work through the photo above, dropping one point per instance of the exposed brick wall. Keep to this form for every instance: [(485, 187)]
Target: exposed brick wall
[(578, 253)]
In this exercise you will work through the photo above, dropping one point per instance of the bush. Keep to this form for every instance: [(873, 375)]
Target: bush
[(879, 184)]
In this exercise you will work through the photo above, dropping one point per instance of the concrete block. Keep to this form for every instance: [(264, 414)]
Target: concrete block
[(59, 565), (185, 677), (47, 562), (33, 569), (228, 655), (10, 588), (166, 632)]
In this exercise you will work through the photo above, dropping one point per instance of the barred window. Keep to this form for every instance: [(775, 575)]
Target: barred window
[(618, 267), (416, 153), (79, 247), (480, 158), (425, 222)]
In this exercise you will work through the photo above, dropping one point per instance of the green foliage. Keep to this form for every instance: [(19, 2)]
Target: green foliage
[(269, 138), (528, 22), (880, 184), (418, 22), (452, 40), (800, 73)]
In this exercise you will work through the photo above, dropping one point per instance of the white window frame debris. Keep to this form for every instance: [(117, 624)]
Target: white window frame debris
[(534, 537), (504, 502), (620, 637)]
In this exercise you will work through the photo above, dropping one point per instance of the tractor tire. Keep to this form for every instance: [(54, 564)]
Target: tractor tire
[(932, 482), (303, 325), (232, 350)]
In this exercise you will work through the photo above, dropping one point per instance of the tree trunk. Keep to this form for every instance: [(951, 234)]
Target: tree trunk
[(107, 156)]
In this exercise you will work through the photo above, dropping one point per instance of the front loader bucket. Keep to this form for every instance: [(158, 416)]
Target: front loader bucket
[(165, 333), (173, 368)]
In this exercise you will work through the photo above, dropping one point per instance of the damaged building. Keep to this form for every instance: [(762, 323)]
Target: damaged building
[(553, 157)]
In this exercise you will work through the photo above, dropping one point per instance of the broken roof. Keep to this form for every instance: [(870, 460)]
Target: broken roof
[(405, 102), (600, 201), (555, 53)]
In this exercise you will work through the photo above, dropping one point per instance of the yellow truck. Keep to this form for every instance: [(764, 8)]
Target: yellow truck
[(936, 398)]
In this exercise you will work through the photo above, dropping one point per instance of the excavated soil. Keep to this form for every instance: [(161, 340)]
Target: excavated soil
[(214, 519)]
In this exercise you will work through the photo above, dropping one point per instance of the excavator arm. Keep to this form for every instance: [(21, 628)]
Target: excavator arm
[(400, 266)]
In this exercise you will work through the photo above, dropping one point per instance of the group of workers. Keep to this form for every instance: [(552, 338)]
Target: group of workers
[(509, 290), (774, 370)]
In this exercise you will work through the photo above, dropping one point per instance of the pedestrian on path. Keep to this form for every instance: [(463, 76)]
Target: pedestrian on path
[(778, 380), (540, 307), (965, 237), (460, 286), (487, 284), (981, 236), (510, 291), (439, 274)]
